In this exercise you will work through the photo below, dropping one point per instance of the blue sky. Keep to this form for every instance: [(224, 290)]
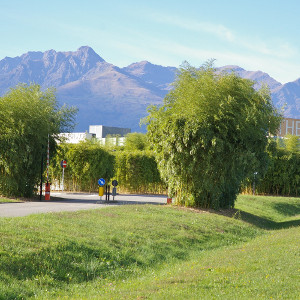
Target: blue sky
[(256, 35)]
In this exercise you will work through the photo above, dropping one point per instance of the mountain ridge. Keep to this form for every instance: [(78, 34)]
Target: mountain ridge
[(113, 96)]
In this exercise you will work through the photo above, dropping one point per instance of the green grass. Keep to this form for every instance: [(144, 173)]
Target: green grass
[(269, 212), (7, 200), (153, 252), (265, 268)]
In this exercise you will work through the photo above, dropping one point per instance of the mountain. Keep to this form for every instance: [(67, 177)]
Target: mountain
[(50, 68), (258, 76), (288, 96), (104, 93), (109, 95), (158, 76)]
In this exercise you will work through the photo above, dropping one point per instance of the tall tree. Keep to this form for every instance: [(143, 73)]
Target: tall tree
[(27, 116), (210, 134), (136, 141), (292, 143)]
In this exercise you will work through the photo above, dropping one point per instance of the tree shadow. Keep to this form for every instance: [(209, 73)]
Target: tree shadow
[(261, 222), (288, 209)]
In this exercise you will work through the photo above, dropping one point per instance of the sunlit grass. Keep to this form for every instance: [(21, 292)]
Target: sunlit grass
[(8, 200), (264, 268), (269, 212), (154, 252)]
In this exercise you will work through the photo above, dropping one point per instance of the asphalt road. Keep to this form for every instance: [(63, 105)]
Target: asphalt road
[(73, 202)]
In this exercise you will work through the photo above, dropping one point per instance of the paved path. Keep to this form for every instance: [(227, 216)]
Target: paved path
[(73, 202)]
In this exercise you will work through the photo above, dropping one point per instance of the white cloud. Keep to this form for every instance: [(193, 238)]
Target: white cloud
[(172, 53), (274, 47), (216, 29)]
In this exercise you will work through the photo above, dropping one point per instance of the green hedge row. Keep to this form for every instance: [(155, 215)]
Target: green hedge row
[(86, 163), (282, 177), (136, 171)]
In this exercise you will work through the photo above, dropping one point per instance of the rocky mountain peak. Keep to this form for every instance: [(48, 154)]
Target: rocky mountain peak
[(87, 53), (258, 77), (113, 96), (231, 68), (157, 75)]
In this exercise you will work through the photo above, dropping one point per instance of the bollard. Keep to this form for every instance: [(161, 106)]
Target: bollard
[(114, 193), (47, 191), (101, 191), (107, 192)]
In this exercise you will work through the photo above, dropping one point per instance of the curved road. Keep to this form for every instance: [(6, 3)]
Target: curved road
[(74, 201)]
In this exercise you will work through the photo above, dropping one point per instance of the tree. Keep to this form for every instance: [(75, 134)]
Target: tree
[(210, 134), (292, 143), (136, 141), (27, 116)]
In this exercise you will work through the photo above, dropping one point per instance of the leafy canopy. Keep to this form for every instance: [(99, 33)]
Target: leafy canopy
[(210, 134), (136, 141), (27, 116)]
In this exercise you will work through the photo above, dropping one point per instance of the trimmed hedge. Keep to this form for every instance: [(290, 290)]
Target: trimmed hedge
[(282, 177), (86, 163), (136, 171)]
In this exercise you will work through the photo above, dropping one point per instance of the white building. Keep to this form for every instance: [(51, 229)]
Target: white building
[(107, 135), (289, 126), (103, 131), (75, 137)]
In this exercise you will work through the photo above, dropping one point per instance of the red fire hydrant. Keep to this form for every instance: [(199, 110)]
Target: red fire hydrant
[(47, 191)]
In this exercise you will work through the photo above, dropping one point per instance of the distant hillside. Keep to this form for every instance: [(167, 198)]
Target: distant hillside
[(109, 95), (288, 96), (258, 76)]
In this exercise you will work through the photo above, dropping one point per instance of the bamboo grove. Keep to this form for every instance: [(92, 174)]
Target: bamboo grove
[(137, 171), (203, 145)]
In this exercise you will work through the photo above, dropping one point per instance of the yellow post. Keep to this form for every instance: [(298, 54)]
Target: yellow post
[(101, 191)]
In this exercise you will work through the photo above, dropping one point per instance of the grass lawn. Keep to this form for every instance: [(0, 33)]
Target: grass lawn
[(5, 200), (154, 252), (269, 212)]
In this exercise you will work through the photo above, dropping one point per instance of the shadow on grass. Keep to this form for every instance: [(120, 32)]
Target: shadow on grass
[(72, 262), (288, 209), (261, 222)]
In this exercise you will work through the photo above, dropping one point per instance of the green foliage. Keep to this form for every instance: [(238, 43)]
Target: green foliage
[(136, 171), (136, 141), (292, 143), (211, 134), (283, 175), (27, 116), (86, 163)]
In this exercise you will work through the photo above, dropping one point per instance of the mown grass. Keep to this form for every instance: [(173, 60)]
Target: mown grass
[(269, 212), (264, 268), (7, 200), (154, 252)]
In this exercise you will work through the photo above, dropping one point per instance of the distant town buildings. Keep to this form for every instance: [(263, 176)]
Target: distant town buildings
[(106, 134), (116, 135), (103, 131), (289, 126), (76, 137)]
